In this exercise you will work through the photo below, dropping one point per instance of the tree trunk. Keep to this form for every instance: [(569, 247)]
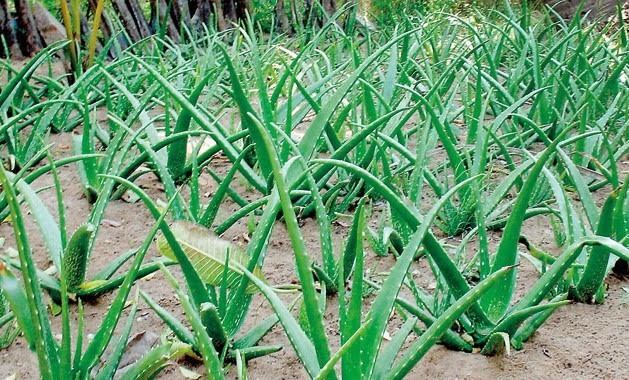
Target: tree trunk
[(175, 11), (127, 20), (243, 8), (315, 14), (597, 8), (330, 7), (217, 9), (27, 35), (281, 17), (8, 33), (204, 11), (171, 25), (192, 6), (138, 17), (160, 18), (184, 10), (133, 19), (229, 10)]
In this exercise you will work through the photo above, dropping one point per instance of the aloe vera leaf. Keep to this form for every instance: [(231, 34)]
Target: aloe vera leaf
[(45, 222), (6, 316), (98, 210), (246, 115), (205, 344), (584, 194), (621, 218), (239, 302), (60, 204), (154, 361), (139, 110), (455, 159), (111, 268), (87, 144), (177, 151), (496, 301), (450, 272), (94, 288), (385, 300), (253, 352), (241, 365), (526, 331), (612, 80), (180, 331), (208, 313), (478, 110), (309, 141), (41, 333), (343, 151), (130, 168), (449, 339), (196, 286), (89, 191), (15, 294), (299, 340), (554, 273), (219, 195), (109, 370), (103, 336), (496, 343), (25, 74), (513, 321), (65, 349), (222, 287), (78, 347), (238, 306), (432, 334), (325, 228), (75, 259), (200, 118), (207, 254), (160, 167), (302, 259), (233, 194), (355, 339), (330, 131), (253, 336), (393, 348), (505, 185), (38, 172), (596, 267), (351, 323)]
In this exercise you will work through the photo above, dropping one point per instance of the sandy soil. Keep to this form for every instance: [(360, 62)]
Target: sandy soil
[(579, 341)]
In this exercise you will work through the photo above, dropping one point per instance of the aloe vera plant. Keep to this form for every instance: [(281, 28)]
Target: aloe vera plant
[(308, 345), (586, 285), (73, 254), (56, 360), (8, 329), (212, 269)]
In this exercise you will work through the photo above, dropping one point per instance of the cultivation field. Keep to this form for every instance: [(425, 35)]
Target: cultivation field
[(444, 199)]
